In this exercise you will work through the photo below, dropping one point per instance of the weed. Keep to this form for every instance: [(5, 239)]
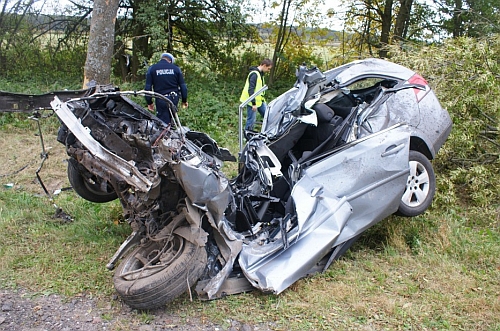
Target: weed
[(436, 271), (145, 317)]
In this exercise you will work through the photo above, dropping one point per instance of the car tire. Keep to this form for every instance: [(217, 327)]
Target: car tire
[(88, 189), (146, 280), (420, 187)]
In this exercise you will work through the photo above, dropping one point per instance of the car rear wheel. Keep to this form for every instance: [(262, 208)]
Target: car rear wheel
[(91, 188), (420, 186)]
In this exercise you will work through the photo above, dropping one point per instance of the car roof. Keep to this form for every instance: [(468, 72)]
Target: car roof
[(368, 67)]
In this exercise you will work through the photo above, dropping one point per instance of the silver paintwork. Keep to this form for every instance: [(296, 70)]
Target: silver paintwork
[(336, 193)]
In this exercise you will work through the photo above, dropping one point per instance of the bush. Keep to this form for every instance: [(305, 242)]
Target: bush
[(464, 73)]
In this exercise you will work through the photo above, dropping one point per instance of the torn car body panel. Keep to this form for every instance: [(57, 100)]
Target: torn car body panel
[(336, 199), (273, 269), (127, 170), (332, 159)]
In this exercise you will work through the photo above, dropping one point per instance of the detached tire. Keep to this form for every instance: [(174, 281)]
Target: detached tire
[(157, 273), (420, 187), (89, 189)]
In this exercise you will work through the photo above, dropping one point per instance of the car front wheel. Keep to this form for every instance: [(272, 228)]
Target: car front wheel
[(159, 271), (420, 186)]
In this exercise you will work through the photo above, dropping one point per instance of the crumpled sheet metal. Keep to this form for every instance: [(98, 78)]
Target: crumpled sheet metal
[(207, 188), (372, 66), (230, 244), (279, 117), (321, 217), (127, 170)]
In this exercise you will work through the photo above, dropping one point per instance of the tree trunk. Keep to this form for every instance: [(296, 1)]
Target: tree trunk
[(402, 20), (386, 28), (140, 49), (101, 43), (280, 39), (140, 43), (457, 20)]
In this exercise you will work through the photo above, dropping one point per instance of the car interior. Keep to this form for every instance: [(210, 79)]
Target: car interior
[(336, 111)]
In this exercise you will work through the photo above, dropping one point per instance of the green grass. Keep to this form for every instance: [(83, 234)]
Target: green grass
[(47, 254), (437, 271)]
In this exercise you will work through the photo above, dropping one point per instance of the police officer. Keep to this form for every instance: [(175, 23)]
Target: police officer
[(254, 82), (165, 78)]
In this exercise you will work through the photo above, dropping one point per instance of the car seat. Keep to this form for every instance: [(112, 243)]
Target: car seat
[(330, 134)]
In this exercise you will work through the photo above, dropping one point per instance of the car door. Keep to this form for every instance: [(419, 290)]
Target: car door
[(336, 198), (370, 174)]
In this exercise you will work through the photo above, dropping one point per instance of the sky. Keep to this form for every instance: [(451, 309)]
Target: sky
[(265, 13)]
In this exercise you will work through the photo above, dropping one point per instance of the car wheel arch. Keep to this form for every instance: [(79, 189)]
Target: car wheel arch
[(419, 145)]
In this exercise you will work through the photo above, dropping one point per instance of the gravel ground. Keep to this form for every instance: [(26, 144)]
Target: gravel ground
[(23, 311)]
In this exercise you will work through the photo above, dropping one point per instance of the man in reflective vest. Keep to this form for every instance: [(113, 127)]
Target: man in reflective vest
[(166, 78), (254, 82)]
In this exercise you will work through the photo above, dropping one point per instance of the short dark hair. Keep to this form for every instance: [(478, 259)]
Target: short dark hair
[(266, 62)]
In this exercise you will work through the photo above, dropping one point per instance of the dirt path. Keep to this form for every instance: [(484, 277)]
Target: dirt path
[(21, 158), (23, 311)]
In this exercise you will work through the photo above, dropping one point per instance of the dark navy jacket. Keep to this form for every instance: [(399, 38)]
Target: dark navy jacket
[(165, 77)]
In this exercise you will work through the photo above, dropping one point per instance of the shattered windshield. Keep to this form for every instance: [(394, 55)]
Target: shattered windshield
[(280, 113)]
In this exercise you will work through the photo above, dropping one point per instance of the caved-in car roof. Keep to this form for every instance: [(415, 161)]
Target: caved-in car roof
[(368, 67)]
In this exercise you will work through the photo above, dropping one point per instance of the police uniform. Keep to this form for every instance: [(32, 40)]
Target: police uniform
[(165, 78)]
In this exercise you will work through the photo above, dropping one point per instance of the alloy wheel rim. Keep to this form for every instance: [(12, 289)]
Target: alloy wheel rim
[(417, 185)]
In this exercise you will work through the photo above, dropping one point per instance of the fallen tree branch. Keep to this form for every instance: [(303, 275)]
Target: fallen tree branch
[(485, 158), (490, 140)]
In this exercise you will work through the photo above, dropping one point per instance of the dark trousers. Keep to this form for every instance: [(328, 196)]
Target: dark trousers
[(163, 108)]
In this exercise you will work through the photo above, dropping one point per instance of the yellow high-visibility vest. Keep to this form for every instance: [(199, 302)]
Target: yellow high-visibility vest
[(258, 85)]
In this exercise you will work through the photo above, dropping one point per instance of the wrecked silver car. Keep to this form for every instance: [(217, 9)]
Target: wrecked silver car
[(338, 152)]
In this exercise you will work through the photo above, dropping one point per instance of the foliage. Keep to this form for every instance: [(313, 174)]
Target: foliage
[(34, 44), (215, 114), (401, 274), (30, 61), (373, 25), (296, 24), (36, 47), (207, 32), (292, 54), (469, 18), (465, 75), (41, 66), (248, 58)]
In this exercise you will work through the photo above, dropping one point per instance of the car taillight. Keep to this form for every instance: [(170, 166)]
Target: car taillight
[(417, 79)]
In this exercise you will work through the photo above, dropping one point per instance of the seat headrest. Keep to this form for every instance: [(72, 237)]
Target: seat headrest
[(324, 113)]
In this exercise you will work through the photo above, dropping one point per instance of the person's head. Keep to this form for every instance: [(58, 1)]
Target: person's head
[(169, 57), (265, 65)]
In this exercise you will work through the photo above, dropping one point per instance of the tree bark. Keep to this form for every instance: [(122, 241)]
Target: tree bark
[(457, 20), (101, 43), (402, 20), (386, 17)]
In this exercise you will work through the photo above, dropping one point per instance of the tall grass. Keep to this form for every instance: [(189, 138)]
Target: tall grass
[(437, 271)]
